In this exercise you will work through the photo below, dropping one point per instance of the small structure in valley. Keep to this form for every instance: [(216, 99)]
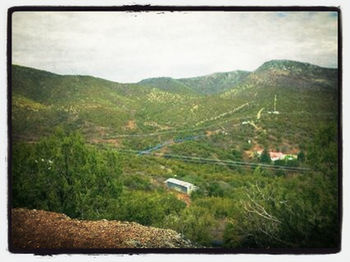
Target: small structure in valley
[(181, 186), (279, 156)]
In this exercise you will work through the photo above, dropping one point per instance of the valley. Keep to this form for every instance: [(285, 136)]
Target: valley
[(112, 146)]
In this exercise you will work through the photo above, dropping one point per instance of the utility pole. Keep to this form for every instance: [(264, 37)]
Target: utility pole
[(274, 107)]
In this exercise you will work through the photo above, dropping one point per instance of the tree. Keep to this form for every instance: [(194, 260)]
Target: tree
[(323, 151), (61, 173), (298, 212), (236, 155), (196, 223), (265, 157), (214, 189), (148, 208), (301, 156)]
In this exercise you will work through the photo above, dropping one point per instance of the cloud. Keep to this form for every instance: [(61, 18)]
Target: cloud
[(128, 47)]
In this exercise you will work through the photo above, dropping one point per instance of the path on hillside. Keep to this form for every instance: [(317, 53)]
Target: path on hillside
[(168, 143), (195, 127), (223, 114)]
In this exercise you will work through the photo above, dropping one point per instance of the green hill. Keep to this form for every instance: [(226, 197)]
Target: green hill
[(215, 83), (204, 85), (101, 109), (167, 84), (292, 74)]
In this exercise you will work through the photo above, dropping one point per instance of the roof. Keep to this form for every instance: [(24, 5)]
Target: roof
[(276, 154), (178, 182)]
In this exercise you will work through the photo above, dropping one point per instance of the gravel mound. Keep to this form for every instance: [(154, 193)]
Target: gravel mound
[(32, 229)]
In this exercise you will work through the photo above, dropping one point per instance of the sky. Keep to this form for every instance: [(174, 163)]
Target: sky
[(131, 46)]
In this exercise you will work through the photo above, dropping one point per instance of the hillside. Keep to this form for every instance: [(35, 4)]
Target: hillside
[(201, 85), (274, 72), (292, 75), (37, 229), (215, 83), (167, 84), (298, 68), (161, 110)]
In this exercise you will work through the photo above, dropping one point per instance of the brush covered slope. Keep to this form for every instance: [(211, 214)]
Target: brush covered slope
[(113, 112), (205, 130)]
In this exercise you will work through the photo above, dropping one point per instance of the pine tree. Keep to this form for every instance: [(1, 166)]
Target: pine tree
[(265, 157)]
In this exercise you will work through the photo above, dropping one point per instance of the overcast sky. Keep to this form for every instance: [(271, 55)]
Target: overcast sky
[(129, 47)]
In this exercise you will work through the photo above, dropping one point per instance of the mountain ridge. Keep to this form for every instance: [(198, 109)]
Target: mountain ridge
[(102, 108), (236, 75), (217, 82)]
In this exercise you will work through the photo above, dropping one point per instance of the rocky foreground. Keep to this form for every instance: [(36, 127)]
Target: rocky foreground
[(32, 229)]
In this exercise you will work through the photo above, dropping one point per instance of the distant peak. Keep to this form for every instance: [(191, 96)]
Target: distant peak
[(161, 78), (284, 64)]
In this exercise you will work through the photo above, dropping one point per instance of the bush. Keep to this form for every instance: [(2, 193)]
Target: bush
[(196, 223), (299, 212), (137, 182), (301, 156), (148, 208), (63, 174)]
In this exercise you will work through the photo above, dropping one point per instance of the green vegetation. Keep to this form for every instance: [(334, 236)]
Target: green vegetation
[(265, 157), (78, 142), (60, 173)]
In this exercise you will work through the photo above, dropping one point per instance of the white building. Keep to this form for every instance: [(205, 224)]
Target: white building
[(181, 186)]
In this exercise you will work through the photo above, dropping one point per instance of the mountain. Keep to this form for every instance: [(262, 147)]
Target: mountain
[(42, 100), (296, 68), (49, 88), (103, 110), (215, 83), (97, 107), (287, 73), (207, 84), (274, 72), (167, 84)]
